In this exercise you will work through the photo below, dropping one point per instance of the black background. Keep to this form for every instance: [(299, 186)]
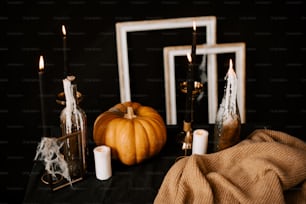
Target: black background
[(275, 64)]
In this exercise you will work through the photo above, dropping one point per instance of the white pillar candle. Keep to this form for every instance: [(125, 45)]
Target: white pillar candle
[(102, 156), (199, 141)]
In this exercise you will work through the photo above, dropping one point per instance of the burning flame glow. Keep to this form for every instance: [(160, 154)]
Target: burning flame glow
[(189, 57), (63, 30), (41, 63)]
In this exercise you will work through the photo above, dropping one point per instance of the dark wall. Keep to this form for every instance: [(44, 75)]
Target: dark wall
[(275, 63)]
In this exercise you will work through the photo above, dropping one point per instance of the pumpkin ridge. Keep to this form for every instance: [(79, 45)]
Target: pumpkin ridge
[(140, 122), (134, 139), (162, 128), (110, 136), (100, 126), (159, 133), (152, 136), (123, 143)]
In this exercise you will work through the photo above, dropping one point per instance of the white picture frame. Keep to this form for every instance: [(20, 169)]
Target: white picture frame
[(212, 86), (123, 28)]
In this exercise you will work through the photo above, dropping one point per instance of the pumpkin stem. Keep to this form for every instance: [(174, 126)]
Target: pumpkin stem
[(130, 113)]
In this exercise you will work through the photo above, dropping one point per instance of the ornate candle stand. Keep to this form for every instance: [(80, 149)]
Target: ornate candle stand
[(198, 88), (186, 134)]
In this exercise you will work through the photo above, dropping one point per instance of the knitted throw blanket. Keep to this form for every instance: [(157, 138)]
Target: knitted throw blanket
[(267, 167)]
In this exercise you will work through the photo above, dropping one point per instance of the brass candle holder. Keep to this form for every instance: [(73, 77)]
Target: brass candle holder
[(198, 88), (186, 134), (61, 100)]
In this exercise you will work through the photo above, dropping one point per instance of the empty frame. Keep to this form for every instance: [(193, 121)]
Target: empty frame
[(123, 28), (212, 79)]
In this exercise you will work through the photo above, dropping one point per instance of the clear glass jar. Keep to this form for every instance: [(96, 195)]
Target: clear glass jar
[(73, 122)]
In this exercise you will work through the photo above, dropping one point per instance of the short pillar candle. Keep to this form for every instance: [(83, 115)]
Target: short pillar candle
[(199, 141), (102, 156)]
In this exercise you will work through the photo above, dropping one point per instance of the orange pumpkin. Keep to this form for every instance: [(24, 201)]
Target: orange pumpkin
[(134, 132)]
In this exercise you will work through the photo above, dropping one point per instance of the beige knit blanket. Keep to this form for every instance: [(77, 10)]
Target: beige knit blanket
[(267, 167)]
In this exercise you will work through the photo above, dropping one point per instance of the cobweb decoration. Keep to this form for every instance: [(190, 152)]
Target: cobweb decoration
[(48, 150), (202, 73)]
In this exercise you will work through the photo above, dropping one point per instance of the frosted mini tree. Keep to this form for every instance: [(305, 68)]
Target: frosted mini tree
[(228, 123)]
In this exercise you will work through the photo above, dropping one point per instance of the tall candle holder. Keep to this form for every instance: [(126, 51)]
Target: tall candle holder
[(197, 89), (186, 134), (191, 88)]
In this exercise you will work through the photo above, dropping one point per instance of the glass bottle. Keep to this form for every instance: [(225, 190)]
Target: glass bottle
[(73, 122)]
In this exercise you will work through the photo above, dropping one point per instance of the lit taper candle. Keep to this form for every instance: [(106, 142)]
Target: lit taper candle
[(66, 66), (194, 43), (41, 71)]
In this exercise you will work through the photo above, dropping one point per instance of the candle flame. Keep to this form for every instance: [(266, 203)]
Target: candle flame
[(194, 26), (231, 64), (231, 69), (41, 63), (189, 57), (63, 30)]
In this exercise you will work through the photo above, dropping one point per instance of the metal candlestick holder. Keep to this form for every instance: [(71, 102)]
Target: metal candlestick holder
[(60, 99), (198, 88), (187, 126)]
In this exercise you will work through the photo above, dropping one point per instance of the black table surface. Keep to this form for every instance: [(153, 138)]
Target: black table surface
[(129, 184)]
